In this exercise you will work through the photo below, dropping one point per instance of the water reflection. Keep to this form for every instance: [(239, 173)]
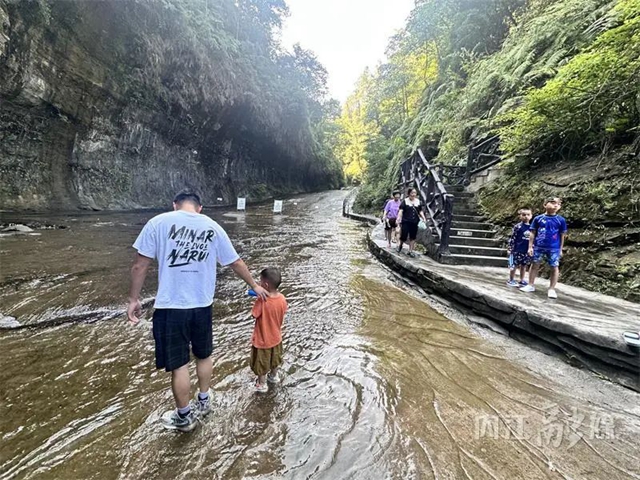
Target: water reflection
[(377, 384)]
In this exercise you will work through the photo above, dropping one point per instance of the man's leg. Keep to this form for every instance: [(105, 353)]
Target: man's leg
[(181, 386), (204, 368)]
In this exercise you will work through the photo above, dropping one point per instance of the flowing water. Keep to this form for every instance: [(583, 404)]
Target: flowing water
[(377, 384)]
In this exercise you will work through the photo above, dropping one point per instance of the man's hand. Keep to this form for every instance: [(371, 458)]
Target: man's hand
[(134, 310), (138, 273), (260, 292), (241, 270)]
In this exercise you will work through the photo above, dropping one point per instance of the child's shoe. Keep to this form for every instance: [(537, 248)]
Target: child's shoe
[(512, 283), (552, 293), (262, 387), (523, 283), (273, 378), (528, 289)]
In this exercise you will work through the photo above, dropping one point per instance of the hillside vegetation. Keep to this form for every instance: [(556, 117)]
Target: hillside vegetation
[(557, 81)]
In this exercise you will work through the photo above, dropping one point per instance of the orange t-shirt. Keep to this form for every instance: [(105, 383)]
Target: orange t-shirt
[(269, 315)]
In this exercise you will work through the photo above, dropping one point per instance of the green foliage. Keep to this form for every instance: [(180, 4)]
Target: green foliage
[(556, 79), (590, 103), (217, 72)]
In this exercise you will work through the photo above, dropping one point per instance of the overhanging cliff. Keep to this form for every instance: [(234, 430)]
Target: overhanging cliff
[(111, 105)]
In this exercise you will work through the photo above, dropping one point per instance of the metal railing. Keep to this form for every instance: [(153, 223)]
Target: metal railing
[(480, 157), (418, 173)]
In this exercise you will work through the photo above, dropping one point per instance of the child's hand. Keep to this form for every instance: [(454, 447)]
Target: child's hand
[(530, 251), (508, 252)]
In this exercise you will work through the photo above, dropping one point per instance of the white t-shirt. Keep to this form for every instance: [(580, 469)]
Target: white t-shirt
[(187, 246)]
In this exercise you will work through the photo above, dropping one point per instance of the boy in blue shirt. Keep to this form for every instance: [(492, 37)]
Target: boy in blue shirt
[(518, 248), (546, 241)]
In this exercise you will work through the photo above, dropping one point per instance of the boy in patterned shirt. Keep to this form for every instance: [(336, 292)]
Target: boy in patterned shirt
[(518, 248)]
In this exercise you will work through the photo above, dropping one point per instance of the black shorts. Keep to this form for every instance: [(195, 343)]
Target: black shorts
[(408, 230), (174, 330), (390, 224)]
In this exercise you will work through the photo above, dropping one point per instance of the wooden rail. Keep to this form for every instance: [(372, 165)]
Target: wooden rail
[(418, 173)]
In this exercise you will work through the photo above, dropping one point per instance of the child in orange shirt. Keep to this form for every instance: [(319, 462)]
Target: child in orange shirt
[(266, 341)]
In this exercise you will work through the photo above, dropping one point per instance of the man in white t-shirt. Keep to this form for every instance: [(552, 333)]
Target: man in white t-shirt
[(187, 246)]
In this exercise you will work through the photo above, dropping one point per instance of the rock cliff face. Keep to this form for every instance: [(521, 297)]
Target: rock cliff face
[(104, 105)]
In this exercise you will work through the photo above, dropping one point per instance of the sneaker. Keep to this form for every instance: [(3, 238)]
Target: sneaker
[(273, 379), (203, 407), (399, 249), (512, 283), (552, 293), (523, 283), (528, 289), (412, 254), (262, 387), (172, 421)]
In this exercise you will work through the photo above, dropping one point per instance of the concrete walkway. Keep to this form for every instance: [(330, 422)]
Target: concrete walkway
[(584, 327)]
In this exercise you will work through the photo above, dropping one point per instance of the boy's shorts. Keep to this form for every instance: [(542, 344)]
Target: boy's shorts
[(175, 329), (552, 257), (263, 360), (390, 224), (518, 259)]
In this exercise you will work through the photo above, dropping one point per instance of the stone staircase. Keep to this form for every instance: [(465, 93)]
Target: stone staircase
[(472, 240)]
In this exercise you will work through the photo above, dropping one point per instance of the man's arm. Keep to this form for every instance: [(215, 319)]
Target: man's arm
[(138, 274), (241, 270)]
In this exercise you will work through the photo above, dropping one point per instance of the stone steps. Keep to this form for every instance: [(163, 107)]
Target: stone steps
[(475, 241), (462, 195), (475, 250), (471, 225), (472, 239), (480, 260), (468, 218), (470, 232), (464, 211)]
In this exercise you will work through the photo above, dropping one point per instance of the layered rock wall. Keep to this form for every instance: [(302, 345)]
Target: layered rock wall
[(101, 109)]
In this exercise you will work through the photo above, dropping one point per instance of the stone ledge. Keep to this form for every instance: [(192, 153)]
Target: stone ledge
[(584, 328)]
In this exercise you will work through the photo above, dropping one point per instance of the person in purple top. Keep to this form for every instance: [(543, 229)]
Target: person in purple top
[(546, 241), (389, 217)]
